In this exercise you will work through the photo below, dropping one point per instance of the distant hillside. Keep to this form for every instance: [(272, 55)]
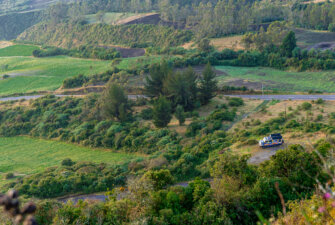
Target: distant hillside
[(68, 35), (10, 6), (18, 15), (12, 25)]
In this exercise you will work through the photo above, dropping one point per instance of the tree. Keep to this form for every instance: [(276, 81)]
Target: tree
[(180, 114), (114, 102), (155, 80), (208, 85), (159, 179), (205, 45), (162, 112), (182, 89), (289, 44)]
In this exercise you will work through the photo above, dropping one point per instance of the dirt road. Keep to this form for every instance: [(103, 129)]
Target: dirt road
[(265, 154), (286, 97)]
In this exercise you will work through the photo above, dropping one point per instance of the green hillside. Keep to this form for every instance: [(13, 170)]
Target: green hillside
[(29, 74)]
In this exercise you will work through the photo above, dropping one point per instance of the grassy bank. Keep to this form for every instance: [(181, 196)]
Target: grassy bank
[(273, 79), (24, 155)]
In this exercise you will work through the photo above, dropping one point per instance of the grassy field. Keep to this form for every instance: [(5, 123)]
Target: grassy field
[(29, 74), (18, 50), (24, 155), (273, 79)]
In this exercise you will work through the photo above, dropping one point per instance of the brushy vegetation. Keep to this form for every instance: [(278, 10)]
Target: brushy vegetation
[(203, 152), (80, 177), (80, 52)]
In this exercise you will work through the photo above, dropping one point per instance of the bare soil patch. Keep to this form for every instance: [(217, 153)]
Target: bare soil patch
[(130, 52), (233, 42), (5, 44)]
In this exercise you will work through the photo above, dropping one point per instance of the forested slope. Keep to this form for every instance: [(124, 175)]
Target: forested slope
[(68, 35)]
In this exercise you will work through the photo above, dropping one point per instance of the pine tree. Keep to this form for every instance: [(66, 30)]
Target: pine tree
[(289, 44), (207, 85), (162, 112), (181, 88), (180, 114), (114, 102), (155, 80)]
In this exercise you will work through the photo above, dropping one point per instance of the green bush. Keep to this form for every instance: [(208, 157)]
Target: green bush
[(235, 102), (147, 114), (320, 101), (67, 162), (9, 176), (306, 106)]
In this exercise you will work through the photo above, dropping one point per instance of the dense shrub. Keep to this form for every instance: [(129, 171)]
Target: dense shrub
[(80, 177), (147, 114), (235, 102), (306, 106), (93, 52), (74, 82)]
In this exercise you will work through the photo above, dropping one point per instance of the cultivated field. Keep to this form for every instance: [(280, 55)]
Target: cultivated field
[(273, 79), (24, 155), (29, 74)]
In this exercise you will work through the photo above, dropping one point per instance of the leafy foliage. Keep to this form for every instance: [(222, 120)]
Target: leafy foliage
[(162, 112)]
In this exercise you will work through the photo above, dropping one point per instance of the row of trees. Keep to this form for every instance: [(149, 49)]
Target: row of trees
[(180, 91)]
